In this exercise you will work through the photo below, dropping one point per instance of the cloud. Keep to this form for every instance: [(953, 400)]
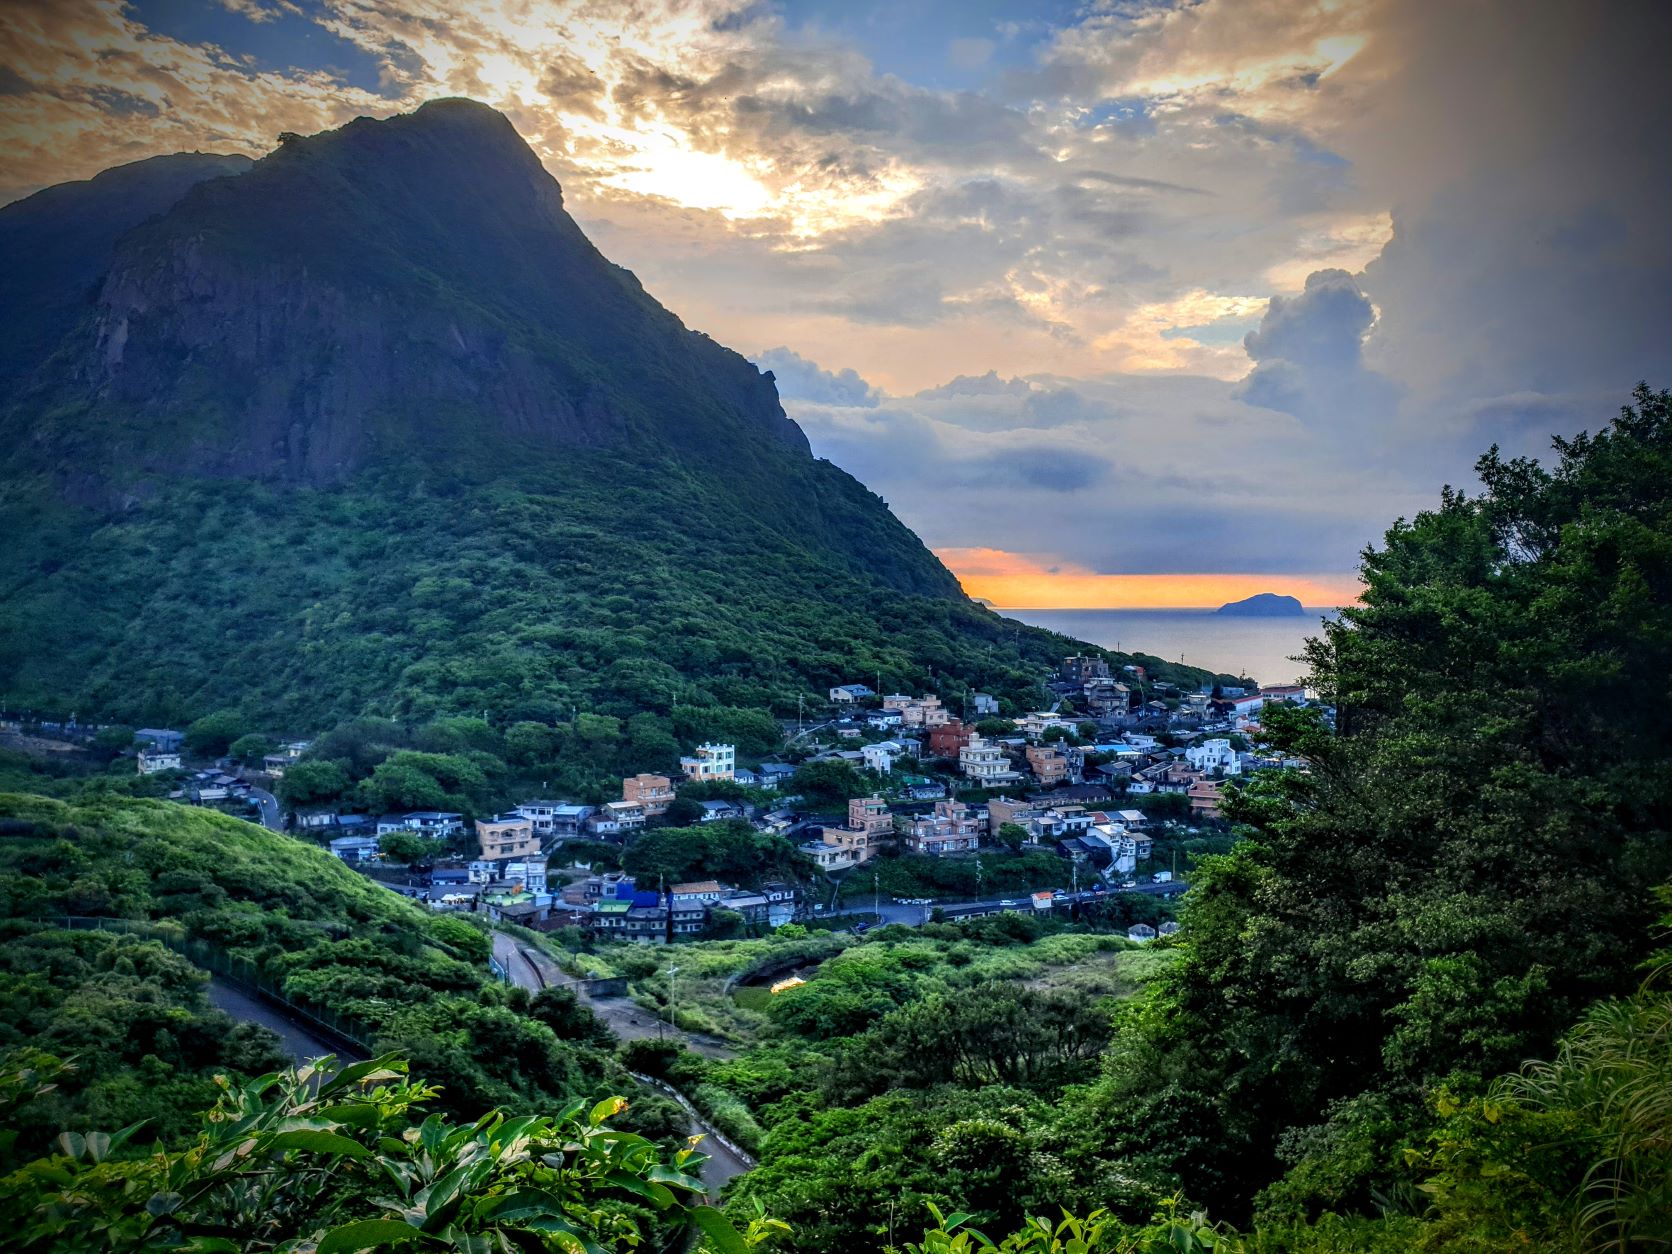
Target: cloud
[(1309, 354), (803, 380)]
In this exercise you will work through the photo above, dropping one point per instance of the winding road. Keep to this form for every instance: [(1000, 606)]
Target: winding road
[(529, 968)]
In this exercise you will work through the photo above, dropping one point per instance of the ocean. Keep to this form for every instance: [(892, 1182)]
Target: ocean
[(1260, 648)]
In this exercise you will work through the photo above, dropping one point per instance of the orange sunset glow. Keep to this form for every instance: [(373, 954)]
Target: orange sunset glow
[(1034, 581)]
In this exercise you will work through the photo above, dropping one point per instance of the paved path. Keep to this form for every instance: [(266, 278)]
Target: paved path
[(298, 1038), (272, 818), (529, 968)]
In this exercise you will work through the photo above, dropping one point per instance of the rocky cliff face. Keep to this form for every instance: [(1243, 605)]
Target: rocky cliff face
[(404, 287)]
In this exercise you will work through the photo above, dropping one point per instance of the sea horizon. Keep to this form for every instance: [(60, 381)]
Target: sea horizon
[(1255, 646)]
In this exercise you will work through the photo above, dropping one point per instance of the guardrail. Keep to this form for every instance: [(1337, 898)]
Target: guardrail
[(240, 973)]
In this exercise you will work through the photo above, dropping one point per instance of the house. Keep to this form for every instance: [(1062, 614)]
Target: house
[(161, 738), (1246, 706), (984, 704), (1169, 928), (847, 694), (917, 788), (602, 824), (883, 720), (1293, 693), (710, 762), (926, 711), (1049, 764), (880, 756), (1036, 723), (539, 813), (1074, 794), (1140, 933), (1214, 757), (1077, 670), (705, 892), (949, 739), (984, 764), (525, 874), (773, 774), (153, 760), (1133, 819), (776, 822), (437, 824), (952, 828), (1008, 810), (639, 917), (869, 823), (652, 793), (355, 850), (629, 816), (743, 775), (1106, 698), (714, 811), (1205, 796), (506, 836)]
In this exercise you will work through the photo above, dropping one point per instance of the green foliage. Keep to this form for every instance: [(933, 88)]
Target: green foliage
[(250, 749), (830, 782), (1466, 865), (726, 850), (211, 735), (341, 1160), (313, 784), (408, 847)]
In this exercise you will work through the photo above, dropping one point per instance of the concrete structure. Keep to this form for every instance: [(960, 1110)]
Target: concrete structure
[(952, 828), (355, 849), (983, 704), (710, 762), (629, 816), (949, 739), (1049, 765), (1214, 756), (653, 793), (1077, 669), (506, 836), (153, 760), (1205, 796), (926, 711), (880, 756), (985, 765)]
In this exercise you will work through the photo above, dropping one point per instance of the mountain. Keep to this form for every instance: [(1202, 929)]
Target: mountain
[(369, 425), (1263, 605)]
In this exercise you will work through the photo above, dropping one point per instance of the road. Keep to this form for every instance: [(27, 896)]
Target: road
[(530, 969), (272, 818), (916, 916), (300, 1041)]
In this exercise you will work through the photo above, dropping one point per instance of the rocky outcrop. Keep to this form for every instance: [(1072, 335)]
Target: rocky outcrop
[(409, 287)]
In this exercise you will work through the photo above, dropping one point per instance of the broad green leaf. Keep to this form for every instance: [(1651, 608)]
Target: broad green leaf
[(718, 1229), (364, 1234), (320, 1143)]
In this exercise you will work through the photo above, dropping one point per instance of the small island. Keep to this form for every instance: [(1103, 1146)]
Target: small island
[(1264, 605)]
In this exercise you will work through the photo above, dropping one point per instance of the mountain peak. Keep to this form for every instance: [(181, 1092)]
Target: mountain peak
[(403, 288)]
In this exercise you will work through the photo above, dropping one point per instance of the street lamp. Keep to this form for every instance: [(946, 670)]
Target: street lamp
[(673, 998)]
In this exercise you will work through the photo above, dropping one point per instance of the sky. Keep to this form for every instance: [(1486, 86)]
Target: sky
[(1123, 303)]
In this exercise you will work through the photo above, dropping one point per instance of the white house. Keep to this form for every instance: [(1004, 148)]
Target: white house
[(880, 756), (153, 760), (847, 694), (711, 761), (1214, 757)]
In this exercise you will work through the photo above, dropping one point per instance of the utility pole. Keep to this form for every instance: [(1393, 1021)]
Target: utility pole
[(876, 895), (673, 998)]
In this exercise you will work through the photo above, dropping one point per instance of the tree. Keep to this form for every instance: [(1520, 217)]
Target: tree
[(1468, 861), (408, 847), (682, 812), (829, 782), (994, 727), (108, 742), (312, 784), (210, 735), (250, 749), (1012, 835)]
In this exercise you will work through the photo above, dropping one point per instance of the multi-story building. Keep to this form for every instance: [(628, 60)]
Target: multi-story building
[(947, 740), (984, 764), (629, 816), (1214, 757), (652, 793), (925, 711), (507, 836), (1077, 669), (1205, 796), (1035, 724), (983, 704), (710, 762), (952, 828), (539, 813), (880, 756), (1107, 697), (1049, 764)]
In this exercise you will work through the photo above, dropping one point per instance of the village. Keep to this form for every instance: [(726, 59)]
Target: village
[(1091, 780)]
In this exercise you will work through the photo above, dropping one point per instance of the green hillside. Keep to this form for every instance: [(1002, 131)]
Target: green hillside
[(373, 428)]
